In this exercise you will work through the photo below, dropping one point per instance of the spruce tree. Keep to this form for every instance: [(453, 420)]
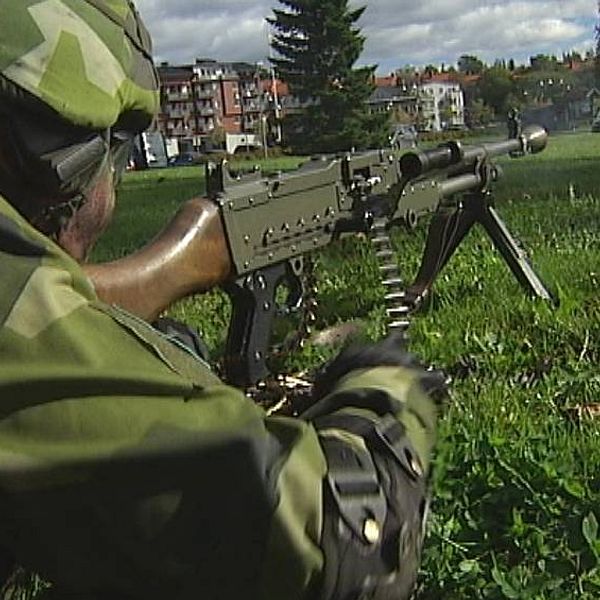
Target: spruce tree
[(318, 43)]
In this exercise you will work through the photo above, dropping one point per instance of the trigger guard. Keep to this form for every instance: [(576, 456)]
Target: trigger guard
[(294, 299), (295, 296)]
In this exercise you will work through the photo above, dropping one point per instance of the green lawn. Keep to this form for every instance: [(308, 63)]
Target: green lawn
[(516, 494)]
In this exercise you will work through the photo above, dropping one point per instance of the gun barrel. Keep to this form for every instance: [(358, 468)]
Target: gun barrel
[(414, 164), (459, 184)]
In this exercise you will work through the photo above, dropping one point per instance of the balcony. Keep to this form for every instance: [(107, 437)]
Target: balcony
[(205, 128), (175, 96), (179, 114), (204, 94), (207, 76), (205, 108)]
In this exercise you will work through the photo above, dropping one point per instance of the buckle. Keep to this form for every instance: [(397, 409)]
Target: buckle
[(392, 434)]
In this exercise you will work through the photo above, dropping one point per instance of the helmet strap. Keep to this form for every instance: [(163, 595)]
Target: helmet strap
[(54, 217)]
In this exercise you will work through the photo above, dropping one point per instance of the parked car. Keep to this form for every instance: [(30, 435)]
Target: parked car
[(181, 160)]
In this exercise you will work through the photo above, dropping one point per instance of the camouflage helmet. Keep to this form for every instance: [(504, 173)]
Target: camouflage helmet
[(88, 60)]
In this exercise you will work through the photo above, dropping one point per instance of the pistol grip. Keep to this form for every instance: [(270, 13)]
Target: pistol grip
[(249, 335)]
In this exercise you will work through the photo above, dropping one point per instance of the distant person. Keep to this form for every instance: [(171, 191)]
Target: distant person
[(514, 123), (128, 470)]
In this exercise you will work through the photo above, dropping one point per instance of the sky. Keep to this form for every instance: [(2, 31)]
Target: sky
[(398, 32)]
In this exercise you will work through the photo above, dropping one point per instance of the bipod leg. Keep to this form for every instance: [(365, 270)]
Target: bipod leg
[(509, 248), (447, 229)]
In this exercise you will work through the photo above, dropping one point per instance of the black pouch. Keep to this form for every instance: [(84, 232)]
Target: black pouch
[(374, 511)]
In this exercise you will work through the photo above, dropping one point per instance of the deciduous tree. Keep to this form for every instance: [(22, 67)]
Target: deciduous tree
[(495, 86), (470, 65), (479, 114)]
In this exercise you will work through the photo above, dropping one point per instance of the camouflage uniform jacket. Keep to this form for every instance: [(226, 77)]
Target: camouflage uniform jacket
[(126, 466)]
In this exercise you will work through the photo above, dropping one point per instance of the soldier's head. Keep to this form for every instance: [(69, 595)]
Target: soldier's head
[(77, 83)]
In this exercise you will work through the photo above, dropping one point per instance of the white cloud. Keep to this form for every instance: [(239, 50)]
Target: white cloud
[(398, 32)]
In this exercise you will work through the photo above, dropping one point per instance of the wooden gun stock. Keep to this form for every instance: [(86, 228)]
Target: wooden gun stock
[(189, 256)]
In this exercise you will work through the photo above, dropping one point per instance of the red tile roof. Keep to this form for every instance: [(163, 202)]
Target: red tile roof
[(387, 81)]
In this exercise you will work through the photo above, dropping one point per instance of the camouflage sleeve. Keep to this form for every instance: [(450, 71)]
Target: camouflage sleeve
[(127, 468)]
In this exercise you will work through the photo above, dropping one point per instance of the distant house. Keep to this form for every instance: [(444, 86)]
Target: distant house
[(395, 99), (433, 101), (391, 80), (554, 117), (443, 105)]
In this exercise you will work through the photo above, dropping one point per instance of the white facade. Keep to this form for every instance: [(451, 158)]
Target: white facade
[(234, 141), (442, 105)]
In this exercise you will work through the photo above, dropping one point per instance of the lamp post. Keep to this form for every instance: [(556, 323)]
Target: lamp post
[(276, 105), (263, 126)]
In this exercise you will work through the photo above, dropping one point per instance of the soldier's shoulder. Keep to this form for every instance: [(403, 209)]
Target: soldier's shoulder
[(40, 282)]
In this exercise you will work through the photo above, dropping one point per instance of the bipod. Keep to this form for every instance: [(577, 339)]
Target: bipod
[(449, 226)]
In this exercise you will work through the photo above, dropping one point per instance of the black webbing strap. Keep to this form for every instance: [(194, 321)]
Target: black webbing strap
[(354, 485), (384, 433)]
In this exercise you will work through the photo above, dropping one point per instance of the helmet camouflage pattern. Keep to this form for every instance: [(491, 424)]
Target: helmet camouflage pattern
[(89, 60)]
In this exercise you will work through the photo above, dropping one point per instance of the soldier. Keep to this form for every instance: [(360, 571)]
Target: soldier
[(513, 123), (127, 468)]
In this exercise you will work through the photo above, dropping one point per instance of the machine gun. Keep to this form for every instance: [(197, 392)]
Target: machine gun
[(253, 233)]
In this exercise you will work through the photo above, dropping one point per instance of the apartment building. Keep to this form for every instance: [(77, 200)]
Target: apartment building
[(202, 102)]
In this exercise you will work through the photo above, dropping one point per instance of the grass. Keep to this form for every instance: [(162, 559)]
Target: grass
[(516, 486)]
